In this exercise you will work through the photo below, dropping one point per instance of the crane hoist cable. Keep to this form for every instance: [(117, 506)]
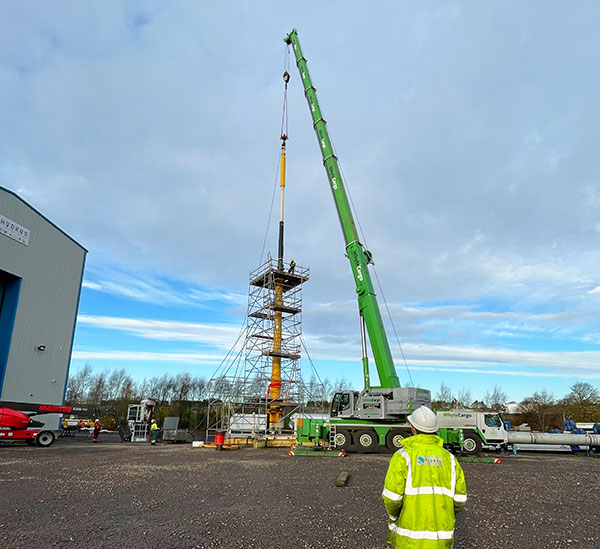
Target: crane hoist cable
[(286, 79), (283, 133), (380, 287)]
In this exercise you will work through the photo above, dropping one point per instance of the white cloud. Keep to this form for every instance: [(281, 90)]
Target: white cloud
[(219, 336), (512, 373), (145, 356), (151, 289), (470, 188)]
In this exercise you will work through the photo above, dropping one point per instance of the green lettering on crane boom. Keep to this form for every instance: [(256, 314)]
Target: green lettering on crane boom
[(359, 257)]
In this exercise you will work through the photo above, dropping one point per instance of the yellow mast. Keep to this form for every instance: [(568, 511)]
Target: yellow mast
[(275, 380)]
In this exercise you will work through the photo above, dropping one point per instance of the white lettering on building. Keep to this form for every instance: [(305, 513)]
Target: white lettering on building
[(14, 230)]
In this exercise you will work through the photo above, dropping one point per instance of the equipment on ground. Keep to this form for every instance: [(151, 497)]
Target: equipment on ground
[(172, 433), (377, 414), (16, 422), (315, 451), (139, 417)]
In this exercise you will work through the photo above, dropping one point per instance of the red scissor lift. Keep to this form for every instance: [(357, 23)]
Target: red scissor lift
[(16, 423)]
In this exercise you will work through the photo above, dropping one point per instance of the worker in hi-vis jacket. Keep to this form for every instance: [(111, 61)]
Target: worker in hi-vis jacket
[(424, 488), (153, 431)]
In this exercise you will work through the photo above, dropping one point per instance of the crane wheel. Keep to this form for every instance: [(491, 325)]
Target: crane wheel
[(343, 439), (471, 444), (394, 438), (366, 440)]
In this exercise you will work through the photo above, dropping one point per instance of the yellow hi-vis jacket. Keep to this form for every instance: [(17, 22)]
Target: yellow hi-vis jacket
[(424, 488)]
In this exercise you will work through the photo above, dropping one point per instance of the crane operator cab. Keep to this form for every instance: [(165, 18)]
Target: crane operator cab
[(343, 404)]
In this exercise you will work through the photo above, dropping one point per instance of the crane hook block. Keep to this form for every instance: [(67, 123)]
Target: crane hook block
[(286, 77)]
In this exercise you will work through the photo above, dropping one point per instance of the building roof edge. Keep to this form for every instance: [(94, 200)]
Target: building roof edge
[(43, 217)]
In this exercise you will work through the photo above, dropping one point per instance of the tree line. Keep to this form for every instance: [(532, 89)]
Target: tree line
[(182, 395), (186, 396)]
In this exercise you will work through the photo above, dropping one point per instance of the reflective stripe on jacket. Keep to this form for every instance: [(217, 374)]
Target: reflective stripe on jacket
[(424, 489)]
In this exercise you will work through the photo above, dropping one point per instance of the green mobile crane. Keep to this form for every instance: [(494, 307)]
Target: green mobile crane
[(377, 414)]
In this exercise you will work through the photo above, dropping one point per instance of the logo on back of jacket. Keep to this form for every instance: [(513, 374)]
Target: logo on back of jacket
[(429, 460)]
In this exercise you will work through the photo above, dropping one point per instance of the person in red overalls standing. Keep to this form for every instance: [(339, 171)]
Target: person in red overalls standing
[(97, 428)]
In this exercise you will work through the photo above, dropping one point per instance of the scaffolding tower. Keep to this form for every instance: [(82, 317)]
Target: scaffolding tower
[(242, 398)]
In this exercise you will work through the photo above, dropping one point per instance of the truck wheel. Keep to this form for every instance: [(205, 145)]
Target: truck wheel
[(366, 440), (343, 439), (471, 444), (45, 439), (393, 439)]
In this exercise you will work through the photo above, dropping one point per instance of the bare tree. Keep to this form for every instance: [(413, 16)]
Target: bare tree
[(444, 397), (128, 391), (162, 388), (182, 386), (495, 399), (198, 389), (316, 394), (464, 397), (539, 410), (327, 389), (143, 389), (342, 384), (79, 384), (114, 383), (98, 386)]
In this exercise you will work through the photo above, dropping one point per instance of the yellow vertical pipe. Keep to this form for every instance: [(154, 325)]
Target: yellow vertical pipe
[(275, 381)]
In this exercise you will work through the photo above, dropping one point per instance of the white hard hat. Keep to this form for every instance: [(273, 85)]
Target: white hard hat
[(424, 420)]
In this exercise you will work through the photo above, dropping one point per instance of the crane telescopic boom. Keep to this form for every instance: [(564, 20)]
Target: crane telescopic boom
[(358, 256)]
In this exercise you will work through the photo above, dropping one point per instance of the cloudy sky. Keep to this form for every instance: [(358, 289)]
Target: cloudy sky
[(149, 131)]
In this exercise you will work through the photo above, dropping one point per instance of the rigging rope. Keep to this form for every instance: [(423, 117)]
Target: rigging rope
[(393, 327), (379, 286), (284, 133)]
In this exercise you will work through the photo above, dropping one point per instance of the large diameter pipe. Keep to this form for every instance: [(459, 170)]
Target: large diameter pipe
[(524, 437)]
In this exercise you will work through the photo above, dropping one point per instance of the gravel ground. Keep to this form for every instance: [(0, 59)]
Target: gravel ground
[(78, 494)]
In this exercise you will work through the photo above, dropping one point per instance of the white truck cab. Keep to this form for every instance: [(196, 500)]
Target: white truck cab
[(479, 428)]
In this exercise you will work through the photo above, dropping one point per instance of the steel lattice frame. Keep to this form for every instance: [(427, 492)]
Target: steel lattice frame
[(240, 387)]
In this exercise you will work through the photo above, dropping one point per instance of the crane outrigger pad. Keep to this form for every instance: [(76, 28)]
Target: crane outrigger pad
[(316, 451)]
